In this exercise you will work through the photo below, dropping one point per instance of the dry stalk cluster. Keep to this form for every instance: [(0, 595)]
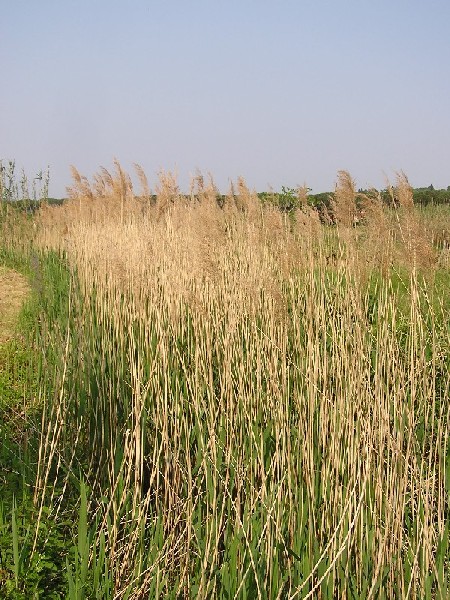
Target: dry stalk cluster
[(252, 415)]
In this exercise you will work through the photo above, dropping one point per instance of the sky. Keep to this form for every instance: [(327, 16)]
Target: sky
[(281, 92)]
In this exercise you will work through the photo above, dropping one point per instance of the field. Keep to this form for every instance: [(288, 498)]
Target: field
[(210, 397)]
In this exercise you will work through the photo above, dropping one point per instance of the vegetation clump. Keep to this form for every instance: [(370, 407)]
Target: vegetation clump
[(228, 400)]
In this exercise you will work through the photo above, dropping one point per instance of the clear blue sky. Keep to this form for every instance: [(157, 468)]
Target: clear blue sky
[(281, 92)]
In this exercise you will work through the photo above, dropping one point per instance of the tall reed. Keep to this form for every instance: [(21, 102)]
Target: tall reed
[(246, 412)]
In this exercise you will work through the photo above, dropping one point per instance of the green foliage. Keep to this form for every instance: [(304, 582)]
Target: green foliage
[(32, 563), (286, 201), (15, 366), (17, 189), (32, 557), (426, 196)]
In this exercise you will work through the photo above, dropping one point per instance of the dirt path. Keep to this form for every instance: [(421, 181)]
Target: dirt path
[(13, 290)]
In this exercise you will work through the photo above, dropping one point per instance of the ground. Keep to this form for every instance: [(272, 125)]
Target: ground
[(13, 290)]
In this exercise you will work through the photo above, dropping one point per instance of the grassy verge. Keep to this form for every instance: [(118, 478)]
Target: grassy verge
[(32, 545)]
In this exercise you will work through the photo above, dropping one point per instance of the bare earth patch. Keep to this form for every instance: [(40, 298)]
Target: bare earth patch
[(13, 290)]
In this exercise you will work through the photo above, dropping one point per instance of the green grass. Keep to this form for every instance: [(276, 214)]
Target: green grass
[(32, 560)]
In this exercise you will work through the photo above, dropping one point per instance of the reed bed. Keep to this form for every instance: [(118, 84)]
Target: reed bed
[(242, 403)]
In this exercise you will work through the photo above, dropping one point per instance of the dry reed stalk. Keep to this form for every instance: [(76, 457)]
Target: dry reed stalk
[(404, 191), (167, 191), (344, 202), (81, 187), (247, 201), (377, 239), (418, 250), (145, 188), (254, 404)]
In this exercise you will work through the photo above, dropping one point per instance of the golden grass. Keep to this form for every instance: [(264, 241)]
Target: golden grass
[(275, 421)]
